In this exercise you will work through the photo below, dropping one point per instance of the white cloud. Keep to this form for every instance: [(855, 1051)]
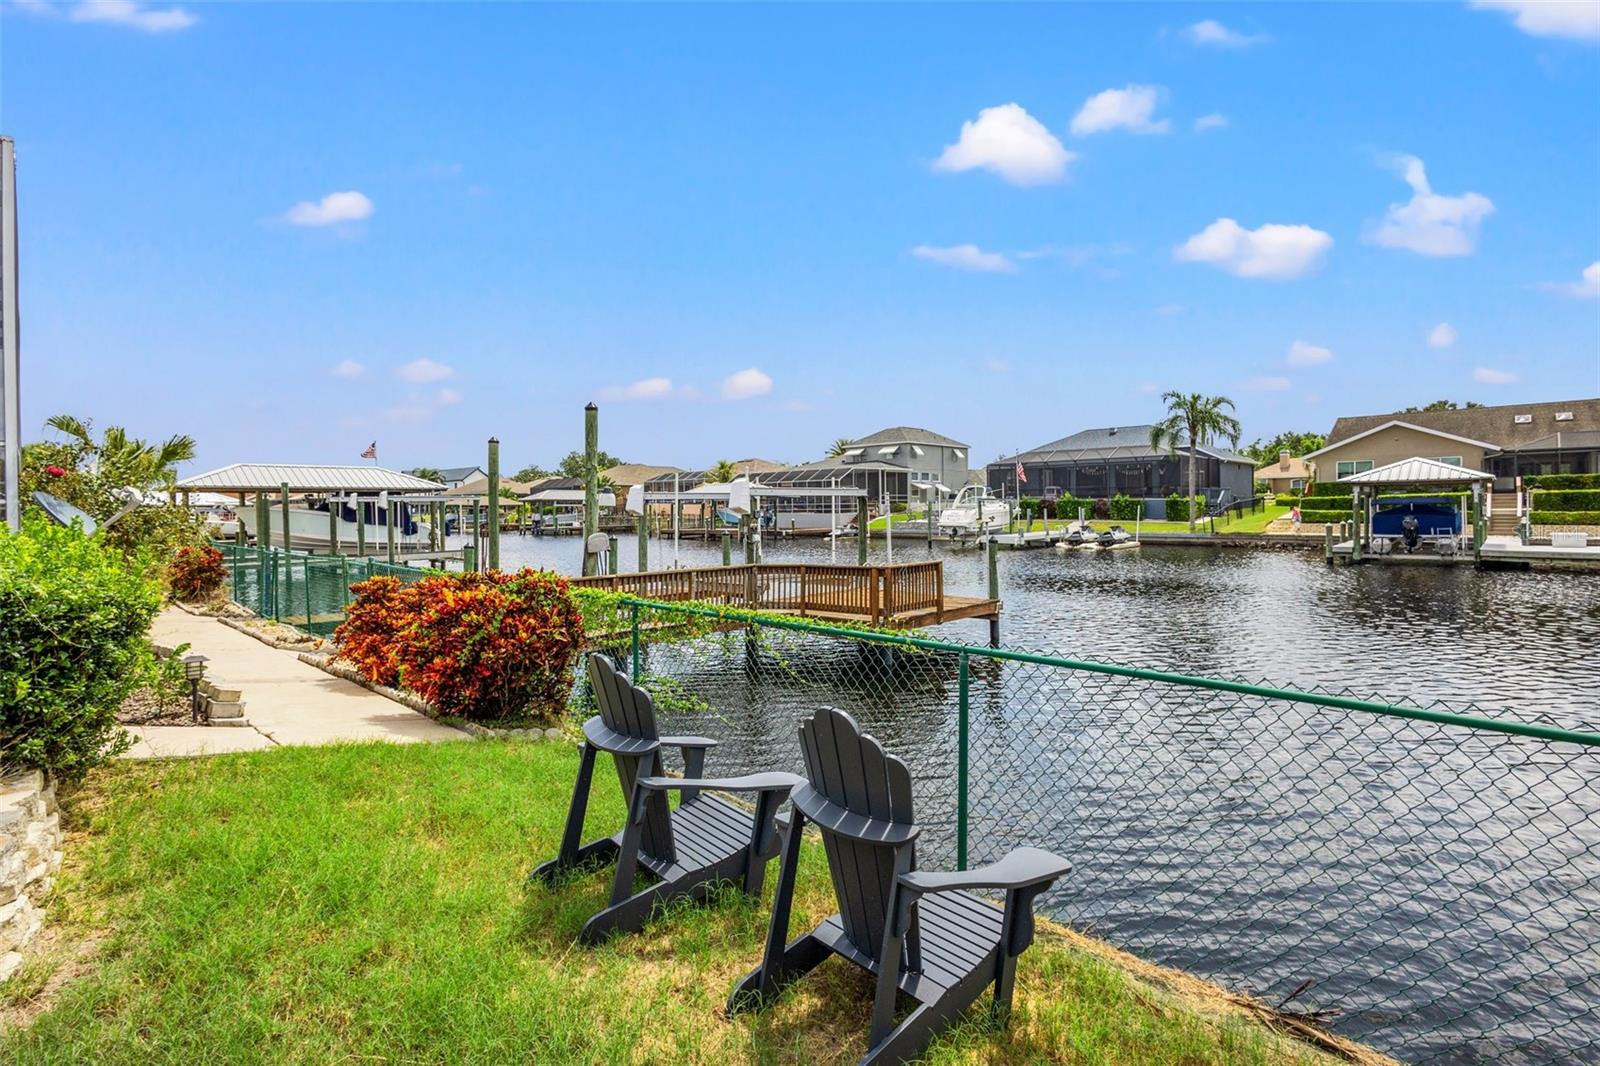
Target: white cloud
[(424, 371), (1429, 223), (1267, 384), (1577, 19), (447, 398), (1129, 108), (1213, 34), (1484, 375), (643, 389), (132, 13), (997, 366), (1303, 354), (349, 369), (1441, 336), (746, 384), (1214, 121), (966, 257), (335, 207), (1271, 251), (1011, 143), (1587, 287)]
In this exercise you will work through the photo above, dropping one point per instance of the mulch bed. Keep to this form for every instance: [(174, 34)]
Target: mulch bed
[(142, 708)]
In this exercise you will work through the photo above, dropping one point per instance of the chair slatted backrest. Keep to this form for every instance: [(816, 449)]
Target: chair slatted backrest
[(627, 709), (851, 769)]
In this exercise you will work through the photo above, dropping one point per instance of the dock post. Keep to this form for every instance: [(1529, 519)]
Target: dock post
[(591, 482), (611, 554), (1327, 543), (394, 511), (861, 531), (993, 551), (727, 548), (283, 493), (644, 542), (469, 558), (746, 528), (238, 527), (494, 503), (333, 526), (361, 528), (1355, 525)]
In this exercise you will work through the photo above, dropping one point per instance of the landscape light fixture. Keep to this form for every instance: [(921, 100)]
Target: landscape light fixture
[(194, 669)]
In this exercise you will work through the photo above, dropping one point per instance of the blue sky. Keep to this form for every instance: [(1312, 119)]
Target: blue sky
[(293, 229)]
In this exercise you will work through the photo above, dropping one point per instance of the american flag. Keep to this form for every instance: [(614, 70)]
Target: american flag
[(371, 452), (1022, 475)]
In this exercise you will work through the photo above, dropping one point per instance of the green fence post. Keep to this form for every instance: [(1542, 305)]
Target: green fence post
[(344, 576), (635, 674), (961, 764), (361, 528), (493, 546)]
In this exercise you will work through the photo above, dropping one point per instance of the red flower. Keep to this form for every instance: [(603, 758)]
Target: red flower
[(55, 471)]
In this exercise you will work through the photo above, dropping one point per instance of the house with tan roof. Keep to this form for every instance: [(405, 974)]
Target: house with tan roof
[(1508, 440), (1289, 473)]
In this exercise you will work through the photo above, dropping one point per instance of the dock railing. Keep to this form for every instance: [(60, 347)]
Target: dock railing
[(1424, 878)]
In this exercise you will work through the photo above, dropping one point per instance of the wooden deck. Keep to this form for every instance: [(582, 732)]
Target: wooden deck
[(895, 596)]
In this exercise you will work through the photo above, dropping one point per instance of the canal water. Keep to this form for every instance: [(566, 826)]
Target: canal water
[(1439, 887)]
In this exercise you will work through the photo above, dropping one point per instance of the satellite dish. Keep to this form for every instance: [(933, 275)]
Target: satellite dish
[(739, 496), (64, 513), (635, 499)]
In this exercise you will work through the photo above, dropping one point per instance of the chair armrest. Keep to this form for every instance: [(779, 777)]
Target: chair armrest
[(1022, 868), (688, 742), (768, 782)]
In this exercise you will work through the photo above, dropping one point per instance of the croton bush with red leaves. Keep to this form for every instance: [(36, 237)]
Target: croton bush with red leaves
[(483, 646), (196, 573)]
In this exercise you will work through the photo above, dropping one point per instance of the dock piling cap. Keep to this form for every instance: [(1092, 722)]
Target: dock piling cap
[(597, 543)]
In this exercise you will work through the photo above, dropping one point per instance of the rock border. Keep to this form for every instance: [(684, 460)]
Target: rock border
[(329, 665), (30, 855)]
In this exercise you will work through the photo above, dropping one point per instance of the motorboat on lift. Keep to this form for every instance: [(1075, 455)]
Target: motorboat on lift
[(976, 510), (309, 531)]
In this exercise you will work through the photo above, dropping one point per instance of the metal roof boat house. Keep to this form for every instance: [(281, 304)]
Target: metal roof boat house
[(1095, 463)]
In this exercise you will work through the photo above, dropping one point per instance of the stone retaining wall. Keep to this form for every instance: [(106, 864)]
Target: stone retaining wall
[(30, 855)]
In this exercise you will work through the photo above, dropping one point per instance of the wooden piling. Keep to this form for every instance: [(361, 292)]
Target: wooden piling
[(861, 531), (993, 550), (283, 489), (333, 526), (494, 503), (394, 512), (361, 528), (644, 541), (591, 482)]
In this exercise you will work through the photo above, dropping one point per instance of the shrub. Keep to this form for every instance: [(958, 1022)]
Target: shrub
[(482, 646), (1567, 499), (1564, 518), (1030, 507), (1066, 506), (1321, 517), (73, 617), (1101, 508), (1125, 508), (1562, 481), (195, 573), (1178, 510), (369, 637)]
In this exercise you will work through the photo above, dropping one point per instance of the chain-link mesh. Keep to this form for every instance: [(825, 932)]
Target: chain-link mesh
[(307, 591), (1438, 882)]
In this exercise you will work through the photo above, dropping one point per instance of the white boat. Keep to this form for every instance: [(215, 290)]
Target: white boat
[(975, 510), (308, 526), (1115, 537), (1079, 535)]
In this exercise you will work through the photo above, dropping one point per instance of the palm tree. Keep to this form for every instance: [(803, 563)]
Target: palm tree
[(723, 471), (839, 447), (128, 461), (1198, 420)]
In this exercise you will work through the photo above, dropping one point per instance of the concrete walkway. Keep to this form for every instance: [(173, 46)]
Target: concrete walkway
[(285, 700)]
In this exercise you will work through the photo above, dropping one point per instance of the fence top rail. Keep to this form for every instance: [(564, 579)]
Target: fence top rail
[(647, 576), (1320, 699)]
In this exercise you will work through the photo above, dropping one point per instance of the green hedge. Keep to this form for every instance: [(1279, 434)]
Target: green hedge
[(1566, 500), (1320, 517), (73, 618), (1178, 510), (1561, 481), (1066, 506), (1564, 518), (1125, 508)]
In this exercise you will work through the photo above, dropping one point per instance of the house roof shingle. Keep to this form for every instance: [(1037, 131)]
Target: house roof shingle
[(1496, 425), (906, 435), (1111, 443)]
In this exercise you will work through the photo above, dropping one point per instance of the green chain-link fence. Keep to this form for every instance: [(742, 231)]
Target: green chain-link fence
[(307, 591), (1433, 872)]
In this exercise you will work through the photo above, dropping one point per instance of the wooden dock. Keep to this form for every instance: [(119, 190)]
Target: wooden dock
[(893, 596)]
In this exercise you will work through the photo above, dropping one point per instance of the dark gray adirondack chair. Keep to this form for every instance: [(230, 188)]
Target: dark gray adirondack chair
[(705, 840), (921, 933)]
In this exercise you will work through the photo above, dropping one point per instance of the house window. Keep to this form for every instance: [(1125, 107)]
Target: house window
[(1353, 466), (1453, 460), (1296, 484)]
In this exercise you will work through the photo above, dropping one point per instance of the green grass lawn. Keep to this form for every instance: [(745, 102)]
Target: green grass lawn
[(1250, 523), (367, 904)]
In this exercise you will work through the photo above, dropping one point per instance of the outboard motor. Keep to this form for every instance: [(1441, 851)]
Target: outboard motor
[(1408, 533)]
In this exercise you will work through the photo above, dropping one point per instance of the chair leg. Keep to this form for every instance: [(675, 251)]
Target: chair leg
[(911, 1037), (761, 985), (1005, 978)]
